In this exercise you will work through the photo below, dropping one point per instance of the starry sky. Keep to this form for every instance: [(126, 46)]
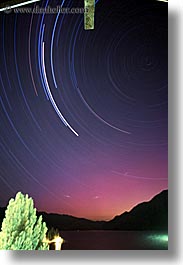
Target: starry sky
[(84, 114)]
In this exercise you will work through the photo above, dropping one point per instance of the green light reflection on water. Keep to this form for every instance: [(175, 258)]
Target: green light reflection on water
[(159, 238)]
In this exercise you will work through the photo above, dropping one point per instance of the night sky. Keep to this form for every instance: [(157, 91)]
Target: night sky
[(83, 114)]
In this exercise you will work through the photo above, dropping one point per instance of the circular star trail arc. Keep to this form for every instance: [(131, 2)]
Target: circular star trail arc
[(50, 94), (107, 86)]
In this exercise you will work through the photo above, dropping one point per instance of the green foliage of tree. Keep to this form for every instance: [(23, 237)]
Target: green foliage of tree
[(21, 229)]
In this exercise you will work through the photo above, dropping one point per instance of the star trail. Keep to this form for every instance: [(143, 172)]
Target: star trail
[(84, 114)]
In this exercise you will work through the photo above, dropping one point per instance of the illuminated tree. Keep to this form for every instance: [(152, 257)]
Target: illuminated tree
[(21, 229), (52, 233)]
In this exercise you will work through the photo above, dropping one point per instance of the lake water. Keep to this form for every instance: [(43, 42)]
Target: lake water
[(114, 240)]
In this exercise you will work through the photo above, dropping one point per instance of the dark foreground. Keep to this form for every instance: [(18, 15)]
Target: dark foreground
[(114, 240)]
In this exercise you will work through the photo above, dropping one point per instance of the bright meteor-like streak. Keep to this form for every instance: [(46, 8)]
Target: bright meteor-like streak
[(18, 5), (50, 94), (166, 1)]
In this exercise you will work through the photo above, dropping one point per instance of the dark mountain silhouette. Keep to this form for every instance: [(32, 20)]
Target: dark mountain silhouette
[(151, 215), (67, 222)]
